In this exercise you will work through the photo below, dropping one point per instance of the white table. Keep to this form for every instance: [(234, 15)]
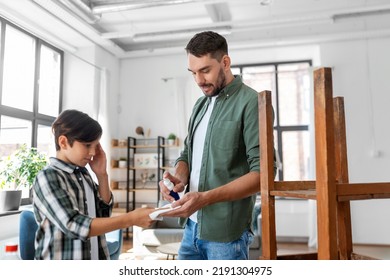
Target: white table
[(170, 249)]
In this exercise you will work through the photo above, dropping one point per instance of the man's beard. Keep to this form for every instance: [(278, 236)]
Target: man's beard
[(220, 84)]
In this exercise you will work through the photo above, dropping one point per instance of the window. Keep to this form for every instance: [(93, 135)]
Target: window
[(289, 83), (18, 69), (30, 90)]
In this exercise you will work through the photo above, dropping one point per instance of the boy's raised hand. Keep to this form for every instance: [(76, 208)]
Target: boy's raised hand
[(99, 162)]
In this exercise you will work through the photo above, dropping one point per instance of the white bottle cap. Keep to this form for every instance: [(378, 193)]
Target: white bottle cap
[(168, 184)]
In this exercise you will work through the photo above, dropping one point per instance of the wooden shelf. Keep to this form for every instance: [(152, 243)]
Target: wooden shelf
[(170, 146), (141, 168), (122, 147), (131, 190), (167, 167), (143, 146), (118, 211)]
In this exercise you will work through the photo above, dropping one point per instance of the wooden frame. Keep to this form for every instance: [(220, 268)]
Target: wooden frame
[(331, 189)]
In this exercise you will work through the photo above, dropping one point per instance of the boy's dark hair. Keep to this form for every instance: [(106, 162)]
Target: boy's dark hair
[(207, 42), (76, 126)]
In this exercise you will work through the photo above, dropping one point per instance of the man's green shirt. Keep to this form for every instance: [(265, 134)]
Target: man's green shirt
[(231, 150)]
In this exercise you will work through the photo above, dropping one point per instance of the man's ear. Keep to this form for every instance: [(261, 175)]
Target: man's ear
[(63, 142), (226, 62)]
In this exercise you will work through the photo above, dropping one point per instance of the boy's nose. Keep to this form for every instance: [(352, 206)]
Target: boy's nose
[(92, 151)]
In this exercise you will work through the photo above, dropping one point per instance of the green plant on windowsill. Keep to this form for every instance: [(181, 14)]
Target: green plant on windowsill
[(18, 170)]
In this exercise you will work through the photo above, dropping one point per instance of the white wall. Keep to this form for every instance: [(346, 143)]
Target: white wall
[(145, 98), (82, 83)]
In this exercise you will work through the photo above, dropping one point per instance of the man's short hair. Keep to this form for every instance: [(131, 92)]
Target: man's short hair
[(207, 42), (76, 126)]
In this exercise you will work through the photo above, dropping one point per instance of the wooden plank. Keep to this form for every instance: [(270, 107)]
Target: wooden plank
[(267, 176), (304, 194), (363, 197), (344, 227), (363, 189), (294, 185), (301, 256), (325, 162)]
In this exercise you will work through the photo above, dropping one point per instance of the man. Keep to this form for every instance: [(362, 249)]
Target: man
[(220, 160)]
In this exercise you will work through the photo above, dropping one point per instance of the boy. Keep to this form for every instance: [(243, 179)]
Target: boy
[(73, 212)]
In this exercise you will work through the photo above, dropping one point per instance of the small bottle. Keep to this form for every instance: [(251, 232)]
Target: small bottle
[(170, 186), (11, 252)]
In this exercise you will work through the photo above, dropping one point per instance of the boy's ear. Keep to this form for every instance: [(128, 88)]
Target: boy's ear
[(63, 142)]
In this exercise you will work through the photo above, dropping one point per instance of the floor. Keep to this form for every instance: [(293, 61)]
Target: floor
[(127, 244), (375, 251)]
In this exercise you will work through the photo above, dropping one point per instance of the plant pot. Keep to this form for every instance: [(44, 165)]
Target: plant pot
[(10, 200), (114, 163), (171, 142), (114, 142), (122, 164)]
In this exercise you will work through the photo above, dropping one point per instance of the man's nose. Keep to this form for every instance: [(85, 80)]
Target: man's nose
[(199, 79)]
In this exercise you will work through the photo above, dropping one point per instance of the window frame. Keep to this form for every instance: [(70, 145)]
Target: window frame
[(34, 116), (278, 128)]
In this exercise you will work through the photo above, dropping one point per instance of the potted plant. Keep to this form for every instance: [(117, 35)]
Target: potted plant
[(17, 173), (171, 139), (122, 162)]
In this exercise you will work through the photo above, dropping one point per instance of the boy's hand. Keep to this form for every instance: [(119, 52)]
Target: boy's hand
[(99, 162), (140, 217)]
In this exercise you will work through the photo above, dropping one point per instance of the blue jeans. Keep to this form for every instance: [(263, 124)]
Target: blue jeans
[(193, 248)]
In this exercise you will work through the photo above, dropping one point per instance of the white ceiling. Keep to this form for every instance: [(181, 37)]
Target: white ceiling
[(165, 26)]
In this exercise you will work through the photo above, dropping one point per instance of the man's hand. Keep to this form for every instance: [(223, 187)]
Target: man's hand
[(178, 186), (190, 203)]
